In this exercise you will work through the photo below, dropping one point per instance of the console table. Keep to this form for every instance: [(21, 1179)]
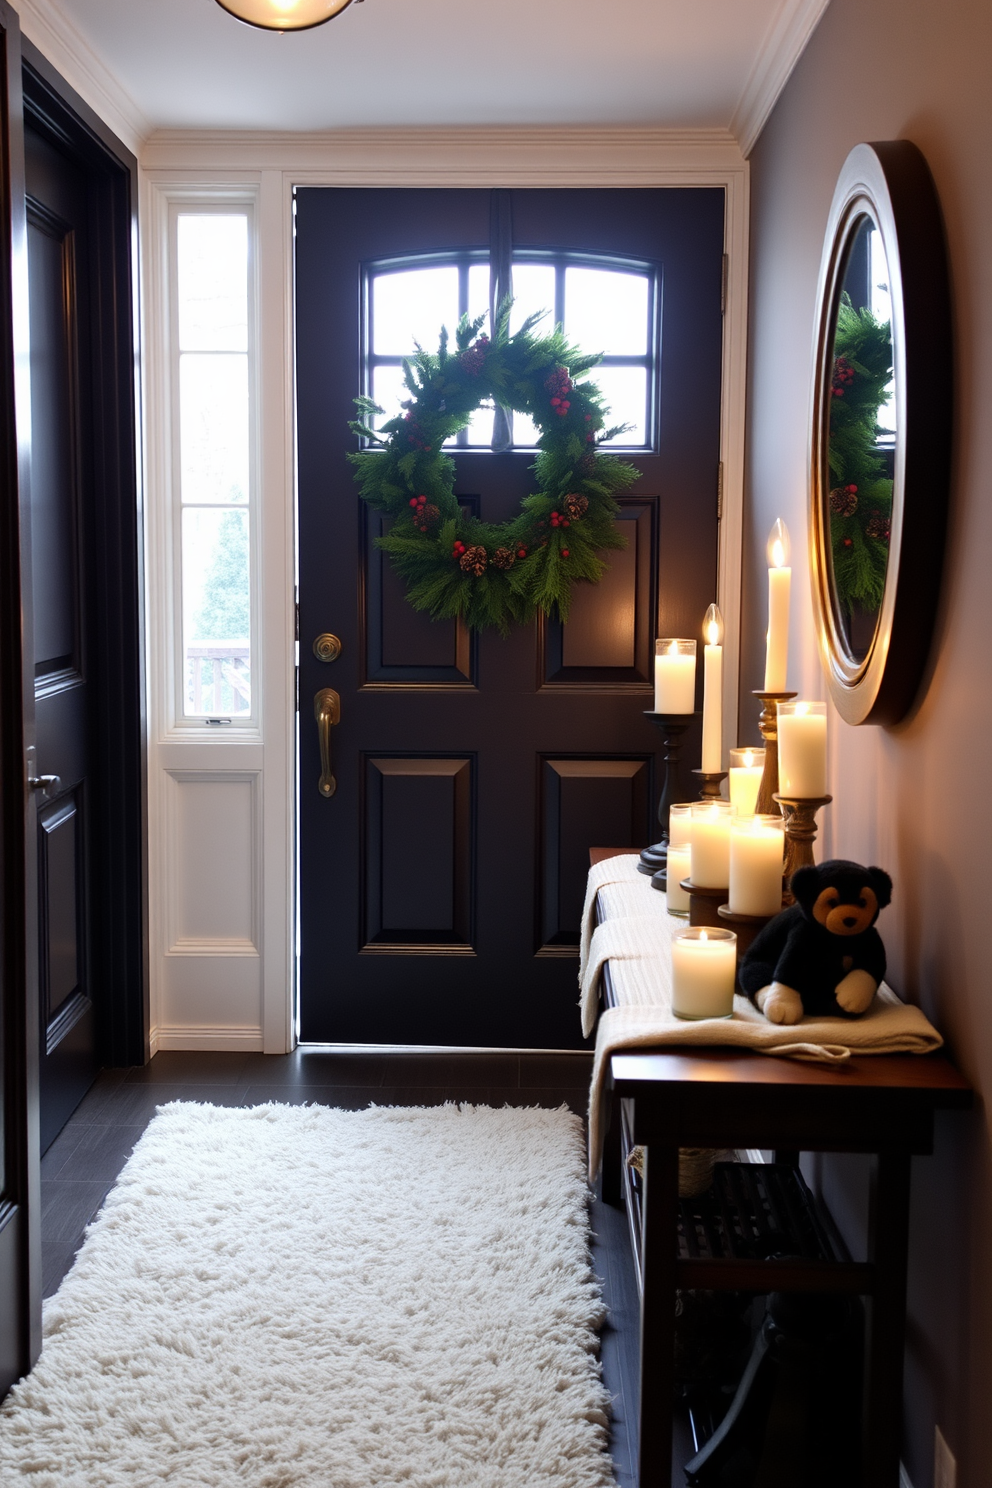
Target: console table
[(879, 1104)]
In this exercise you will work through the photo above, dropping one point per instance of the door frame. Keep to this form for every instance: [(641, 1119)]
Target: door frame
[(271, 166), (118, 955)]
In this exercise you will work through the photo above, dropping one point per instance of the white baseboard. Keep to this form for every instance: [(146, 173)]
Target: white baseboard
[(225, 1040)]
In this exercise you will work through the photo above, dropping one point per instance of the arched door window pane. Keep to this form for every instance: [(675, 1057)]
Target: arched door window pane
[(605, 306)]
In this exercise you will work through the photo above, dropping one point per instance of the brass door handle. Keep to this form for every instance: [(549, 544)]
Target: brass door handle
[(327, 711), (47, 784)]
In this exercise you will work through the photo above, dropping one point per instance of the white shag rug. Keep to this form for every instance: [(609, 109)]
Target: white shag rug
[(300, 1297)]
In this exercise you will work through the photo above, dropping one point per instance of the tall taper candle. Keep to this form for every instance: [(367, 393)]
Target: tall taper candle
[(712, 761), (779, 589)]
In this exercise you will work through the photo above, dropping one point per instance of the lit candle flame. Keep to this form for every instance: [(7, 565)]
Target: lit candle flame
[(778, 545), (802, 709), (673, 649), (703, 935), (748, 759), (713, 626)]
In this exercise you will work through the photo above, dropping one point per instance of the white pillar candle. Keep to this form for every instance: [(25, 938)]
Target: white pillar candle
[(674, 676), (802, 749), (678, 868), (746, 769), (779, 589), (680, 825), (711, 843), (757, 854), (704, 965), (712, 761)]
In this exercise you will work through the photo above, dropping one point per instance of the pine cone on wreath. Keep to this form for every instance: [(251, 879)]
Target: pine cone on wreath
[(474, 560), (844, 501), (877, 527), (504, 558), (425, 518), (576, 506)]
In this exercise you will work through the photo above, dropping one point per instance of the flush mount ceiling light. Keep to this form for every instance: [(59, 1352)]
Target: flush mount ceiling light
[(284, 15)]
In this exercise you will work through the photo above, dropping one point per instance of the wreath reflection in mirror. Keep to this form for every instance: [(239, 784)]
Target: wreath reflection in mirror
[(453, 564)]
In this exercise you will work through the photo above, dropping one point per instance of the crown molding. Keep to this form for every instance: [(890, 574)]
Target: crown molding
[(46, 24), (478, 156), (784, 43)]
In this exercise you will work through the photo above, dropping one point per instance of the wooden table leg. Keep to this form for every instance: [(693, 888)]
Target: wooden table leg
[(888, 1235), (659, 1249)]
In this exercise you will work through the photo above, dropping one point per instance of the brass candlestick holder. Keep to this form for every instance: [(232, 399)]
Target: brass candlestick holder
[(673, 726), (800, 834), (768, 724)]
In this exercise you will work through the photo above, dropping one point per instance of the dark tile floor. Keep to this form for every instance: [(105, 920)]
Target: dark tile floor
[(82, 1164)]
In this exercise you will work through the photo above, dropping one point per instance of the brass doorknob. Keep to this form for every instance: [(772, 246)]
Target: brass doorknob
[(327, 647), (327, 711)]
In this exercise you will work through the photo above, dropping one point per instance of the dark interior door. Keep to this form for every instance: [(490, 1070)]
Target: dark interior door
[(20, 1239), (441, 886), (58, 269)]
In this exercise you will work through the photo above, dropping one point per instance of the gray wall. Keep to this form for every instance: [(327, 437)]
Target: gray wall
[(915, 799)]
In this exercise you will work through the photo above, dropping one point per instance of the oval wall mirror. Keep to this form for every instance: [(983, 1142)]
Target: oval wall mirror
[(880, 431)]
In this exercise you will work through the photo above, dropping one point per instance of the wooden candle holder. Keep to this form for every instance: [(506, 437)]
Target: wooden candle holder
[(710, 782), (768, 724), (800, 834), (745, 927), (704, 904)]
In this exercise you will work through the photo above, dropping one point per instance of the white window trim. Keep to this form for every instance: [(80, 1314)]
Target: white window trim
[(271, 165)]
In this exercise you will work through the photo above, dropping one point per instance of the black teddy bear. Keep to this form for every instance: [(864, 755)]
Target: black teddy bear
[(823, 955)]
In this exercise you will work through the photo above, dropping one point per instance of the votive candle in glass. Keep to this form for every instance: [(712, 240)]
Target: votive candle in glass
[(802, 750), (757, 854), (746, 769), (704, 966), (678, 867), (711, 843), (674, 676), (680, 824)]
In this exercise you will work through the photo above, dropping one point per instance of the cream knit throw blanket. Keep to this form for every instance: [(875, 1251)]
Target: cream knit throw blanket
[(635, 938)]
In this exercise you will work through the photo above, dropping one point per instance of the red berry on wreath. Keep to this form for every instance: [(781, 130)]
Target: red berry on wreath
[(521, 552), (564, 552), (848, 542)]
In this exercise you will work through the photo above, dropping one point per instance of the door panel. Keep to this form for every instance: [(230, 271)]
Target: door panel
[(419, 855), (583, 802), (441, 886)]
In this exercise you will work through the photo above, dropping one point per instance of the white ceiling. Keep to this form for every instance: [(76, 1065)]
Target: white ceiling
[(186, 64)]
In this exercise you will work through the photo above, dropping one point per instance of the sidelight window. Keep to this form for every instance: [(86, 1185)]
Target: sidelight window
[(212, 387), (605, 305)]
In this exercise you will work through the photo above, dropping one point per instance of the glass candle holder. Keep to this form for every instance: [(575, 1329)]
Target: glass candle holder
[(757, 856), (674, 675), (711, 843), (746, 769), (802, 750), (677, 868), (704, 965), (680, 825)]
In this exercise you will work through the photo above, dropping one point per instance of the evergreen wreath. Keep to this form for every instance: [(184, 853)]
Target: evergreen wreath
[(861, 491), (452, 563)]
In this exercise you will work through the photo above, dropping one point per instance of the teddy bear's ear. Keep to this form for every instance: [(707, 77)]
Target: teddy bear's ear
[(882, 884), (805, 885)]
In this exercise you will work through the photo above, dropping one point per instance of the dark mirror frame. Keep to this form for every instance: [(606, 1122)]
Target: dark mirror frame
[(889, 182)]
